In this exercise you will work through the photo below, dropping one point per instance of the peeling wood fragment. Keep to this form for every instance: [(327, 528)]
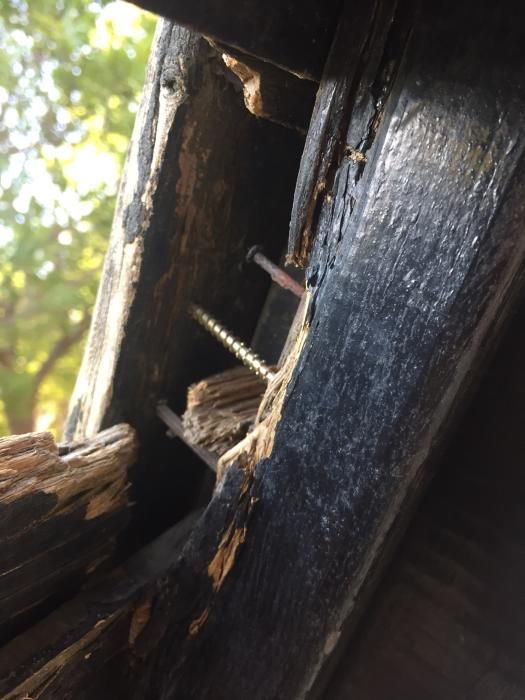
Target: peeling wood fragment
[(222, 563), (197, 624), (270, 93)]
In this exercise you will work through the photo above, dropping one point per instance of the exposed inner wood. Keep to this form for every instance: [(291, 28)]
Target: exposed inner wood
[(270, 93), (222, 408), (59, 515)]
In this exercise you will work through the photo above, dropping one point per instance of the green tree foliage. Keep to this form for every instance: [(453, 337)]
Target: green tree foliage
[(70, 79)]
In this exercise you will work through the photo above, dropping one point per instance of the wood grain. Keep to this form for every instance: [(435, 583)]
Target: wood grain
[(448, 621), (204, 181), (59, 517)]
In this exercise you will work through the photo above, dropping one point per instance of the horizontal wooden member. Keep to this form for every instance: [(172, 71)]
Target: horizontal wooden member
[(59, 515)]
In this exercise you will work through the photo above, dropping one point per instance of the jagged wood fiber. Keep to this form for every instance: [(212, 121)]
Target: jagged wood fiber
[(59, 516)]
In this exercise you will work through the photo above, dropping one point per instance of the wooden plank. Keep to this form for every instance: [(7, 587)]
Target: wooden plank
[(200, 175), (448, 621), (293, 35), (59, 517)]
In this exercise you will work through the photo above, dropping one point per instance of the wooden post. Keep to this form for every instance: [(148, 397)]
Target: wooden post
[(204, 181)]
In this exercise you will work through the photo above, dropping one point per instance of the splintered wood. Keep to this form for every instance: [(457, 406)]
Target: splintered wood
[(59, 515), (222, 408)]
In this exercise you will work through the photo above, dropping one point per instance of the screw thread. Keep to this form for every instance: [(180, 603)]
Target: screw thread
[(241, 351)]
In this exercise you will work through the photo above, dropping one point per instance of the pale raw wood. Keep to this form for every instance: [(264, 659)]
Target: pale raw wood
[(59, 515), (222, 408)]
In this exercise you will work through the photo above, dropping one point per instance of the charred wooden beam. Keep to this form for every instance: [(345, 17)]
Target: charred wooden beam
[(293, 35), (59, 516), (204, 181), (271, 93), (448, 620), (89, 645), (417, 255)]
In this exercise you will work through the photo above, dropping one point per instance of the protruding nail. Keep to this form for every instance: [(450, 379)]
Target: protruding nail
[(278, 275), (174, 423)]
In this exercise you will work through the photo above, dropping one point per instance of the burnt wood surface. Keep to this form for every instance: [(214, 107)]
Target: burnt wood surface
[(448, 620), (204, 181), (85, 647), (291, 34), (410, 277), (60, 517)]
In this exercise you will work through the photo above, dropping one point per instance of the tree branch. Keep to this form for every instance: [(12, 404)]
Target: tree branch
[(59, 350)]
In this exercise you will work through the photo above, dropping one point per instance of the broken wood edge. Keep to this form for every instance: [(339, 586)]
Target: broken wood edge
[(271, 93), (258, 443), (222, 408), (94, 473)]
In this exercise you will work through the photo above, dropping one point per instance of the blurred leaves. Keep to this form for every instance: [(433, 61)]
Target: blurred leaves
[(70, 80)]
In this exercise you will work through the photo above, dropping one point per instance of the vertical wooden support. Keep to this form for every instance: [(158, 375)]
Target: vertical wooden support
[(204, 181)]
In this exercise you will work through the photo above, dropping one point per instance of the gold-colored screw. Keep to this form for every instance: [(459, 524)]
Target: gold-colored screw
[(241, 351)]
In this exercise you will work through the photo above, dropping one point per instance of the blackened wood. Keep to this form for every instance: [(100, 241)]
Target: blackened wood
[(349, 107), (410, 276), (448, 621), (408, 285), (72, 652), (291, 34), (59, 517), (204, 181)]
